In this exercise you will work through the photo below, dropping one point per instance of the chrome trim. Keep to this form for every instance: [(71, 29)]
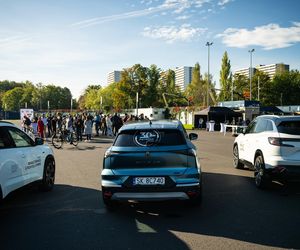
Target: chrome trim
[(188, 184), (150, 196)]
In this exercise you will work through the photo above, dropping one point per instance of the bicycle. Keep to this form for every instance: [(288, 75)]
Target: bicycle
[(59, 138)]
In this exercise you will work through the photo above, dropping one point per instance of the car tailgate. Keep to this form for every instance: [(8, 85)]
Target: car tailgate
[(150, 160)]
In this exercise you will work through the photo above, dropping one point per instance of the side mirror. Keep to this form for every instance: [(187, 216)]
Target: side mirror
[(38, 141), (193, 136)]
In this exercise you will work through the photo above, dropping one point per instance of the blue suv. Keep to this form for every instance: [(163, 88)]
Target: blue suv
[(151, 161)]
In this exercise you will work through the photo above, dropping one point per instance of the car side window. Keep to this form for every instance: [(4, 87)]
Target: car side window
[(4, 139), (260, 126), (20, 138), (251, 127), (269, 126)]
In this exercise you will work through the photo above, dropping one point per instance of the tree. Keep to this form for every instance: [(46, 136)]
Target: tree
[(225, 79), (12, 99), (151, 91), (195, 90), (284, 89)]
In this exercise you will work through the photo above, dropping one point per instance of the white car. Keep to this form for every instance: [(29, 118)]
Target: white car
[(23, 160), (270, 146)]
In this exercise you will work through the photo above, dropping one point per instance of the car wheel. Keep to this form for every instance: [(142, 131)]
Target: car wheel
[(260, 177), (47, 182), (236, 160)]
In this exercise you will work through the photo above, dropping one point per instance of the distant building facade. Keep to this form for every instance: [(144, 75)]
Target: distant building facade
[(271, 70), (114, 76), (183, 77), (245, 72)]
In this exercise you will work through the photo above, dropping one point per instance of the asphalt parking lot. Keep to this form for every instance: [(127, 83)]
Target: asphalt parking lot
[(233, 215)]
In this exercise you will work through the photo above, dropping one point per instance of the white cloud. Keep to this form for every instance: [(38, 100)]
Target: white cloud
[(270, 36), (177, 6), (224, 2), (184, 17), (171, 34)]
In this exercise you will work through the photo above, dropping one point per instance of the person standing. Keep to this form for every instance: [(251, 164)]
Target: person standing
[(53, 124), (49, 125), (97, 123), (44, 119), (109, 125), (41, 127), (79, 127), (104, 126), (88, 128)]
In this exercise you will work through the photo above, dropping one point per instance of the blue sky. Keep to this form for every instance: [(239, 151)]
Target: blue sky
[(73, 43)]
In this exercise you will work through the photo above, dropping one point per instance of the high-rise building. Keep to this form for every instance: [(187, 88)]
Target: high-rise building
[(183, 77), (245, 72), (114, 76), (271, 70)]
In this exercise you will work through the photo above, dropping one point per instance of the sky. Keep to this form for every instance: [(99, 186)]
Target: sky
[(75, 43)]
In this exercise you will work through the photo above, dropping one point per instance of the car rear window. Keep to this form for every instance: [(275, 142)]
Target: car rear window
[(151, 137), (289, 127)]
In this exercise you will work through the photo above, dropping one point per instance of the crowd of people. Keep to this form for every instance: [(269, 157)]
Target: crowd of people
[(82, 124)]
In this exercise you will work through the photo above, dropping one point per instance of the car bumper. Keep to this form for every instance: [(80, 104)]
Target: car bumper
[(180, 192)]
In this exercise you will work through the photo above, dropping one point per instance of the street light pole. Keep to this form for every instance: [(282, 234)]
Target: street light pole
[(250, 72), (208, 44)]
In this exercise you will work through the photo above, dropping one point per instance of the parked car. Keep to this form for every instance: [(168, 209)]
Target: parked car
[(23, 160), (270, 146), (151, 161)]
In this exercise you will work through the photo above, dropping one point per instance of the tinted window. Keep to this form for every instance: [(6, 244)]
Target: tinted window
[(289, 127), (251, 127), (20, 138), (140, 138), (4, 139)]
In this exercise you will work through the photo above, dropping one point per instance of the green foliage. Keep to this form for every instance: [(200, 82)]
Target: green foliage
[(196, 90), (12, 98), (225, 79), (284, 89)]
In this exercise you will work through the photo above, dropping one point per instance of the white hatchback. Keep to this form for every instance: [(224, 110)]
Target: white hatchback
[(23, 160), (270, 146)]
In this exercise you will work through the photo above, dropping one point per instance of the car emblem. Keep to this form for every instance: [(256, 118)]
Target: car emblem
[(147, 154)]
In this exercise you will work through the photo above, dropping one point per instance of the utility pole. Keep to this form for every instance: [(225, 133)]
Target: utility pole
[(208, 44), (258, 88), (250, 72)]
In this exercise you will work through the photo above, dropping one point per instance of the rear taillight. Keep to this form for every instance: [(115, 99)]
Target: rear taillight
[(276, 141)]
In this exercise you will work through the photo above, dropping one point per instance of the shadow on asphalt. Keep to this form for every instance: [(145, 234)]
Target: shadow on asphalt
[(72, 217)]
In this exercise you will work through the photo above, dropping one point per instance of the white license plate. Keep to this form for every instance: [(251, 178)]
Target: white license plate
[(149, 181)]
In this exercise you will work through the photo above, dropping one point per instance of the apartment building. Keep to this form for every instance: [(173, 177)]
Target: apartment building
[(271, 70), (183, 77), (114, 76)]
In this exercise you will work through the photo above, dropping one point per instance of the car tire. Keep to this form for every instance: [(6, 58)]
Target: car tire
[(260, 177), (236, 160), (47, 182)]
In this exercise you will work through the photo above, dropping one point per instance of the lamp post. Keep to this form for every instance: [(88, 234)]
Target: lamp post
[(208, 44), (137, 104), (250, 72)]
